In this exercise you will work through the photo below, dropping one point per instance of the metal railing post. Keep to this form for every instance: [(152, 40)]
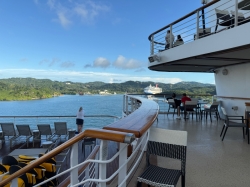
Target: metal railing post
[(197, 25), (152, 45), (97, 166), (126, 105), (236, 14), (14, 183), (122, 160), (87, 176), (74, 162), (103, 156), (171, 39)]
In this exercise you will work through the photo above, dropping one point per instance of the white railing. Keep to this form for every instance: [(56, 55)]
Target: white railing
[(198, 24)]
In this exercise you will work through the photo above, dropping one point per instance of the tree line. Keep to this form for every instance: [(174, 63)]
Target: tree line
[(31, 88)]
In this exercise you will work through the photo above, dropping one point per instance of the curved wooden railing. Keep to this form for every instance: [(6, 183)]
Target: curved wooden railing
[(139, 121), (182, 18), (123, 131)]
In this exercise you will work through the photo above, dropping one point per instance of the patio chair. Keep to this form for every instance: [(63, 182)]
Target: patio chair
[(211, 109), (191, 107), (91, 142), (171, 105), (231, 121), (167, 144), (45, 130), (24, 130), (9, 131), (223, 15), (61, 129), (241, 18)]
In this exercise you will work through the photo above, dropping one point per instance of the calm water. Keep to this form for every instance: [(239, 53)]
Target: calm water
[(64, 105)]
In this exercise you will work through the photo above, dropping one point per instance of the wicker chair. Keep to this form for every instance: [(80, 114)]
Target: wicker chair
[(165, 143)]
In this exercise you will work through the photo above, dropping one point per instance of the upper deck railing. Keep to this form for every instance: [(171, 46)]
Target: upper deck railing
[(200, 23), (123, 132)]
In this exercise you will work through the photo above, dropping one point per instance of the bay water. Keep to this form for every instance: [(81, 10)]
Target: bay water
[(65, 105)]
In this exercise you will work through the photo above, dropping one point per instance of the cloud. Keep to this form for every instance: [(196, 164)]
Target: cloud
[(49, 62), (122, 63), (140, 70), (66, 11), (67, 64), (90, 10), (36, 1), (87, 66), (80, 76), (51, 3), (101, 62), (64, 21), (24, 59)]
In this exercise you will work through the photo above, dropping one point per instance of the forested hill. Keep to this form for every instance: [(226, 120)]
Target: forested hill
[(31, 88)]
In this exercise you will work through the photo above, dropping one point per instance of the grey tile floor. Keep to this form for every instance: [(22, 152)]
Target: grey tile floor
[(210, 161)]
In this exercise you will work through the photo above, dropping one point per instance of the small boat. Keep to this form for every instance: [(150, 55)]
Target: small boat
[(152, 89)]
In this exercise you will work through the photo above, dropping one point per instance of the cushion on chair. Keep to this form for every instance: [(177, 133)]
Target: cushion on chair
[(240, 15), (164, 176), (222, 14)]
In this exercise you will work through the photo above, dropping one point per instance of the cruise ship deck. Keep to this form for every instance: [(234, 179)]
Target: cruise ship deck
[(210, 161)]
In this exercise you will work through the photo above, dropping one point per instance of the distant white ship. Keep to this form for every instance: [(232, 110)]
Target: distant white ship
[(152, 89), (105, 92)]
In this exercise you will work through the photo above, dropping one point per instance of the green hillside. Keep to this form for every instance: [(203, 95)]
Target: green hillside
[(31, 88)]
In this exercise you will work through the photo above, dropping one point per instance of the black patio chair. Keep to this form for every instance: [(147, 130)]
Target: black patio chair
[(223, 15), (231, 121), (210, 110)]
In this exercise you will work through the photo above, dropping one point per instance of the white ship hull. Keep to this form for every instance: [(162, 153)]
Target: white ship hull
[(152, 90)]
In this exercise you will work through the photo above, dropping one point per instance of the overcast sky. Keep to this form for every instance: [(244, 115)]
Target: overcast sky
[(87, 40)]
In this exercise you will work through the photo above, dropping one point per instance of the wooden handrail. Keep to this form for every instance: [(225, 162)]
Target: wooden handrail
[(184, 17), (66, 181), (94, 133), (226, 97), (139, 121)]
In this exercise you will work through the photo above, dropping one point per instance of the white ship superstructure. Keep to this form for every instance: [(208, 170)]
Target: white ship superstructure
[(152, 89), (211, 46)]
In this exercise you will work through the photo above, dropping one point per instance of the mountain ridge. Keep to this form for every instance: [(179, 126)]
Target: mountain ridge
[(31, 88)]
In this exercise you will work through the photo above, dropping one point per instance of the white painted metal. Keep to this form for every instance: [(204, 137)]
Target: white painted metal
[(227, 39), (236, 14), (235, 84), (152, 46), (87, 176), (171, 39), (168, 136), (14, 183), (102, 166), (122, 160), (197, 24), (74, 162)]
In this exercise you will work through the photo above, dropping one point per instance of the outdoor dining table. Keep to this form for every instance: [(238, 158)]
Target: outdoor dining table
[(33, 152), (244, 5)]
